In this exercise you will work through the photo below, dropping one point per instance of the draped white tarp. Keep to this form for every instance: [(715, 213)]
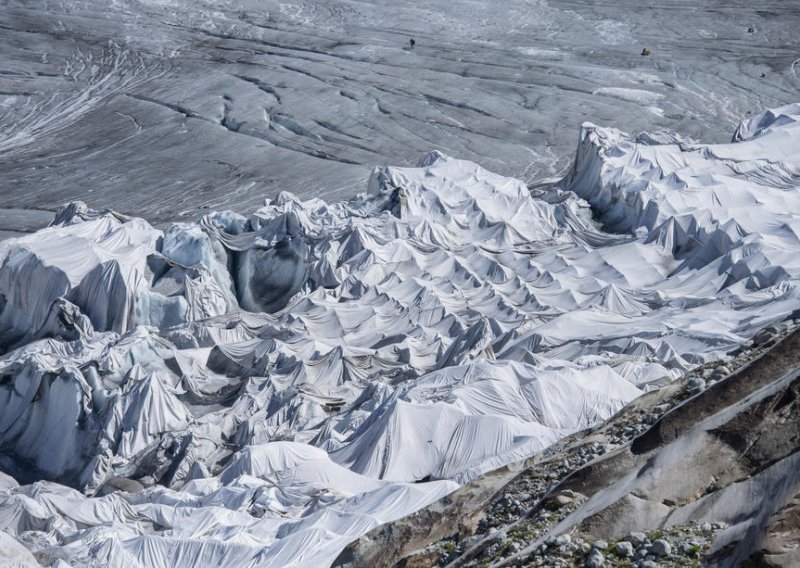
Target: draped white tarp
[(266, 389)]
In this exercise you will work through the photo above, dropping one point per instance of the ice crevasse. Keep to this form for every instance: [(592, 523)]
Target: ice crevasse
[(266, 389)]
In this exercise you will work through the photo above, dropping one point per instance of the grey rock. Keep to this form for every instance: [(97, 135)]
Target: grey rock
[(661, 548), (637, 539), (686, 548), (600, 544), (624, 549), (762, 338), (695, 385), (120, 484), (562, 500), (564, 539), (595, 559)]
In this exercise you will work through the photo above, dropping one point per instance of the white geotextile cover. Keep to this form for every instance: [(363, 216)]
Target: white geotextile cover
[(267, 389)]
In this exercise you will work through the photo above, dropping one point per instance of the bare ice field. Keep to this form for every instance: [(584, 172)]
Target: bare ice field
[(166, 108)]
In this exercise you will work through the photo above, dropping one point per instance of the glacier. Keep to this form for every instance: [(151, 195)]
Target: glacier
[(169, 109), (262, 390)]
